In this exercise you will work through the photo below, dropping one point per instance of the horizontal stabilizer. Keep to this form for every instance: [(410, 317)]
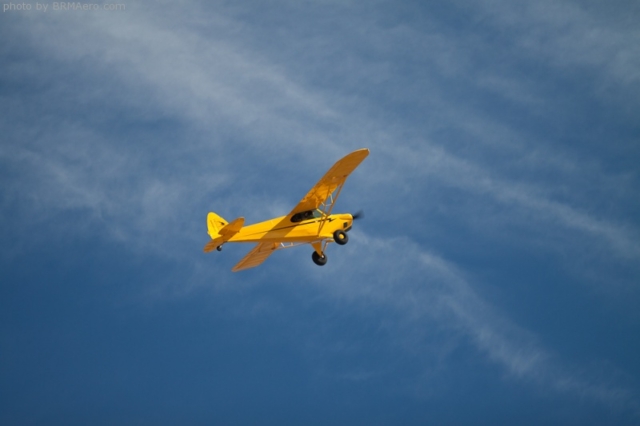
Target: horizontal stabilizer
[(232, 228), (213, 244), (223, 234)]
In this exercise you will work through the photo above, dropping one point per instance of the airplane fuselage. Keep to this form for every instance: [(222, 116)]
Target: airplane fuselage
[(282, 229)]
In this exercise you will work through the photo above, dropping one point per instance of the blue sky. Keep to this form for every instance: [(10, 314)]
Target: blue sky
[(494, 279)]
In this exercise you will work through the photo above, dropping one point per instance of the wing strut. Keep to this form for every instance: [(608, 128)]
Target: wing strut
[(327, 205)]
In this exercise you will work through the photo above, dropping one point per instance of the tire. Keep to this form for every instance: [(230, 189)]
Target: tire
[(340, 237), (320, 261), (219, 248)]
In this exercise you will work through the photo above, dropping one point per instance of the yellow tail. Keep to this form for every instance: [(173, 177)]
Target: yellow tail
[(220, 230), (214, 224)]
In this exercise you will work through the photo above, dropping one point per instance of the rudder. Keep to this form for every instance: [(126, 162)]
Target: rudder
[(214, 224)]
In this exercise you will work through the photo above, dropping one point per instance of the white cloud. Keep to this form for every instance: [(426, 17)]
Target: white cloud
[(572, 34), (217, 80)]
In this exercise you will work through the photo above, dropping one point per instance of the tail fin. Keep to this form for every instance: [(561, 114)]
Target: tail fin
[(220, 230), (214, 224)]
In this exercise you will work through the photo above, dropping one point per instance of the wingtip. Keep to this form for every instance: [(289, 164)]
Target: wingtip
[(361, 153)]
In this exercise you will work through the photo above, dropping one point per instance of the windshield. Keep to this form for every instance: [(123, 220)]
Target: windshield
[(306, 215)]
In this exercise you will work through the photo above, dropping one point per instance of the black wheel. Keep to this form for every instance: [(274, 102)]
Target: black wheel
[(219, 248), (320, 261), (340, 237)]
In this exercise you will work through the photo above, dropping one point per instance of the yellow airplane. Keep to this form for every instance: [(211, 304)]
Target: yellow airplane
[(310, 222)]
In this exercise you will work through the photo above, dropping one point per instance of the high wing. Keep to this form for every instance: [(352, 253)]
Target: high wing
[(320, 196), (330, 182), (256, 256)]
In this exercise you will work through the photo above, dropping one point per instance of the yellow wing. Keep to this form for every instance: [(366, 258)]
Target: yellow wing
[(331, 181), (256, 256)]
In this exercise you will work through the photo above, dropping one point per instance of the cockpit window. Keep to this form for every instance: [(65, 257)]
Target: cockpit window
[(306, 215)]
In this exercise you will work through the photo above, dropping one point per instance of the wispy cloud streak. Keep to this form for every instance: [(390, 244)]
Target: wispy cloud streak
[(445, 299), (213, 82)]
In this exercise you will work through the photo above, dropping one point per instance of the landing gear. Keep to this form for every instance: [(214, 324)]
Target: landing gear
[(319, 260), (219, 248), (340, 237)]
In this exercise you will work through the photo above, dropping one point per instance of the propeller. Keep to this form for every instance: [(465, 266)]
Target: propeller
[(358, 215)]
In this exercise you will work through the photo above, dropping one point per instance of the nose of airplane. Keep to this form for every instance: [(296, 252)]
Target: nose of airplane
[(346, 219)]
